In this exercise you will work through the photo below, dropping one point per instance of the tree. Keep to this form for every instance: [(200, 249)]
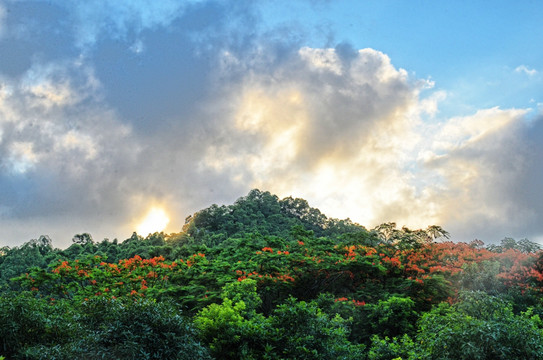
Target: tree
[(527, 246), (393, 316), (386, 231), (303, 331), (17, 260), (479, 327), (435, 232), (82, 239)]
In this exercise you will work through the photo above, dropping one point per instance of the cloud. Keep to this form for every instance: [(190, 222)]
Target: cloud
[(338, 131), (352, 135), (524, 69), (73, 157), (119, 19), (346, 130), (58, 148), (180, 105), (481, 160)]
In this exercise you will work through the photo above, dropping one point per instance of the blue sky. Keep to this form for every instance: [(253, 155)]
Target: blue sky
[(115, 115), (453, 43)]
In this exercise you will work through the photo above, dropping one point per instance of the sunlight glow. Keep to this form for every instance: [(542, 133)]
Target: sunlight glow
[(156, 220)]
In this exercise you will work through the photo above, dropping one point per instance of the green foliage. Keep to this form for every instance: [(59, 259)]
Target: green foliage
[(15, 261), (263, 213), (481, 277), (125, 330), (406, 238), (233, 329), (479, 327), (229, 332), (303, 331), (295, 329), (353, 311), (34, 328), (243, 291), (395, 348), (27, 321), (524, 245), (272, 279), (392, 317), (138, 329)]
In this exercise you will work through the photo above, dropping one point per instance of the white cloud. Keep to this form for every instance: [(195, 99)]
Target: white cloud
[(351, 136), (524, 69), (59, 84), (74, 140), (60, 147), (22, 156), (351, 133), (480, 159), (336, 132), (325, 59), (461, 132)]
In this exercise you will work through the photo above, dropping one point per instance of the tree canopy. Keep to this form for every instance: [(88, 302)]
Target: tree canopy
[(266, 278)]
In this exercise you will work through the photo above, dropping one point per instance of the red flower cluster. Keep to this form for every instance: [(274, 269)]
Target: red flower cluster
[(355, 302)]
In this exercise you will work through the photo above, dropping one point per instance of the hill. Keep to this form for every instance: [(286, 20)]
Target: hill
[(266, 278)]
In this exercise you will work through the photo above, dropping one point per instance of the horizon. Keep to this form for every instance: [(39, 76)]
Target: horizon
[(153, 223)]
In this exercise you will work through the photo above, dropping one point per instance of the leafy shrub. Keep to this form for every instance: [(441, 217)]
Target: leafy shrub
[(479, 327), (393, 316), (245, 291), (127, 329), (395, 348), (354, 312), (303, 331), (27, 321), (140, 329), (233, 329), (294, 330)]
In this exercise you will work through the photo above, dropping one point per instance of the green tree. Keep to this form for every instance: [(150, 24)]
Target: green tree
[(233, 329), (479, 327), (127, 330), (392, 317), (397, 348), (18, 260), (27, 321), (303, 331)]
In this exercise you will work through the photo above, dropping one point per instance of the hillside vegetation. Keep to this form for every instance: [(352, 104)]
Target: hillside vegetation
[(266, 278)]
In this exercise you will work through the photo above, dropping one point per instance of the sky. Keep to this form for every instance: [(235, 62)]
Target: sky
[(130, 115)]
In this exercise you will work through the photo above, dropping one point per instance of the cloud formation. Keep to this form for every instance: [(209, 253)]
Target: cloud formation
[(74, 158), (524, 69), (353, 135), (58, 145), (176, 106), (119, 19)]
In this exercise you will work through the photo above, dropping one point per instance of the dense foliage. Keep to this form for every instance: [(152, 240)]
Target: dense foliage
[(272, 279)]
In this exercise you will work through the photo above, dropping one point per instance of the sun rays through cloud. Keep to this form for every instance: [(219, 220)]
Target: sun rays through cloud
[(155, 220)]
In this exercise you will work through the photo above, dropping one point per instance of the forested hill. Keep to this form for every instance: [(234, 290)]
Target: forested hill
[(263, 213), (266, 278)]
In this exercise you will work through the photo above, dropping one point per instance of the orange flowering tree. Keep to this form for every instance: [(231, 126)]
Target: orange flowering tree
[(303, 268)]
